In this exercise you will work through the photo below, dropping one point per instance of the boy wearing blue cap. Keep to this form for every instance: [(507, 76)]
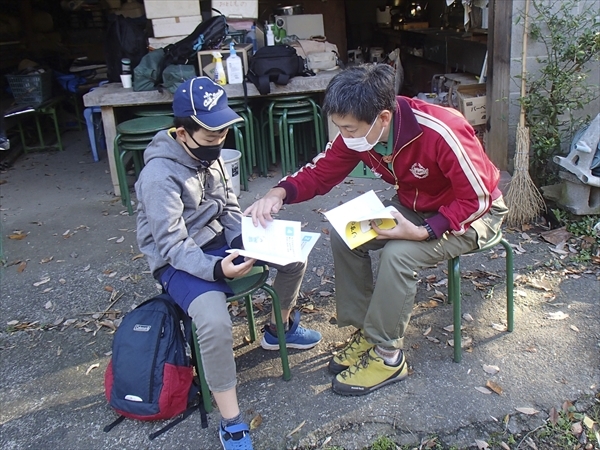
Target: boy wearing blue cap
[(188, 216)]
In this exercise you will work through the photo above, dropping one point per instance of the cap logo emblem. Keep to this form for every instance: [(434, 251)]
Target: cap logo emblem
[(212, 98)]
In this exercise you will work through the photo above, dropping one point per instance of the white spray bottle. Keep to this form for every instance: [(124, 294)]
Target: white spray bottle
[(235, 72)]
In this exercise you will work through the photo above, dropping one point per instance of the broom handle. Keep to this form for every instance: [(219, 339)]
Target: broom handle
[(524, 63)]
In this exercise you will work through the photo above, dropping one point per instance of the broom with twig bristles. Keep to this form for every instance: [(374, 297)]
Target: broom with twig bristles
[(523, 198)]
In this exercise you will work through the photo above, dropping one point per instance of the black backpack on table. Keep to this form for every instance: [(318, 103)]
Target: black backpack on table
[(277, 63), (208, 34)]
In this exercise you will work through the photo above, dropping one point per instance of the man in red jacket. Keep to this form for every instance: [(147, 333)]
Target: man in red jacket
[(447, 195)]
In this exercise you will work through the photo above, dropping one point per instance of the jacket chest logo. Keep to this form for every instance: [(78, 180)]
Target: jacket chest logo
[(419, 171)]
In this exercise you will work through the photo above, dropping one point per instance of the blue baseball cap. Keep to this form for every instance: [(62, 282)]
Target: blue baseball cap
[(205, 102)]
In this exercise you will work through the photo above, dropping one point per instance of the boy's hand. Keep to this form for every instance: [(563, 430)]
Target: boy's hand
[(231, 270), (262, 209)]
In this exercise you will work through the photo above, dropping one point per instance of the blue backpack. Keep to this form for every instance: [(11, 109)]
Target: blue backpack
[(150, 374)]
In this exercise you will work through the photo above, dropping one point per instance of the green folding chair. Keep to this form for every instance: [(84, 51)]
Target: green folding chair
[(454, 290), (243, 288)]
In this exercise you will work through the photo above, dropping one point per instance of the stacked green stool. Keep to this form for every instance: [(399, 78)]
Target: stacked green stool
[(245, 134), (299, 123), (133, 136)]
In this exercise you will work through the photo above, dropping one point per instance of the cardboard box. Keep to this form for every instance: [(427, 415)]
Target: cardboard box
[(205, 58), (236, 9), (175, 26), (472, 102), (158, 9), (162, 42)]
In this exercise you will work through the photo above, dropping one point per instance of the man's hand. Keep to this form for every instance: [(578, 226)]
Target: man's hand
[(231, 270), (262, 209), (404, 229)]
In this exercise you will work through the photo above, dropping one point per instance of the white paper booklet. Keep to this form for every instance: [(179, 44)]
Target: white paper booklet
[(352, 220), (281, 242)]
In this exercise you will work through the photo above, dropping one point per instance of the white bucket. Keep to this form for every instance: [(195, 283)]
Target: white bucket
[(231, 158)]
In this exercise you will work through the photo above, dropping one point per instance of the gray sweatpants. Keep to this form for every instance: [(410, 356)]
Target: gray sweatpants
[(214, 328), (383, 309)]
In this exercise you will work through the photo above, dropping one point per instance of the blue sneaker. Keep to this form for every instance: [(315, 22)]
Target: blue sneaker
[(235, 437), (296, 337)]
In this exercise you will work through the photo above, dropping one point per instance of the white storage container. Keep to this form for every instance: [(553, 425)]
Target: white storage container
[(236, 9), (175, 26), (157, 9)]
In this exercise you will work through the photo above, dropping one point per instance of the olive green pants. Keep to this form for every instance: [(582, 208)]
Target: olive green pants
[(383, 309)]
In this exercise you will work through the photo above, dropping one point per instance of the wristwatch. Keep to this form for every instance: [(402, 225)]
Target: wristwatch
[(430, 232)]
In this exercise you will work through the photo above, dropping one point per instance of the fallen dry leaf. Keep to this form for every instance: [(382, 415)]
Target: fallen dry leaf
[(528, 411), (530, 443), (42, 281), (324, 293), (468, 317), (558, 315), (498, 327), (588, 422), (556, 236), (504, 445), (46, 260), (540, 284), (138, 256), (481, 445), (491, 369), (48, 305), (574, 328), (553, 416), (483, 390), (121, 239), (256, 422), (92, 367), (17, 236), (21, 266), (577, 428), (429, 304), (432, 339), (494, 387), (427, 331), (438, 295)]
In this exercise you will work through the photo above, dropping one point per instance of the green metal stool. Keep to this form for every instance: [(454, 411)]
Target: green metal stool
[(244, 287), (283, 114), (454, 290), (133, 136), (249, 132), (47, 108)]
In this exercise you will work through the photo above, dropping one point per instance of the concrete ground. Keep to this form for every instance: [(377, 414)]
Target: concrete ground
[(77, 269)]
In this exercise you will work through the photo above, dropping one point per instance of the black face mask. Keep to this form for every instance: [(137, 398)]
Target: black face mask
[(205, 153)]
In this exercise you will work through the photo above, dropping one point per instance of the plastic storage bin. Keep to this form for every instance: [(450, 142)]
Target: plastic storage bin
[(32, 89)]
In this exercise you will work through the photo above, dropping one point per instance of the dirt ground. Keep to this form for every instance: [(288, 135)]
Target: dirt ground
[(71, 268)]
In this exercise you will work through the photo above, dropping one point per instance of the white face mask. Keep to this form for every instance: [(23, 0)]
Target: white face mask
[(361, 144)]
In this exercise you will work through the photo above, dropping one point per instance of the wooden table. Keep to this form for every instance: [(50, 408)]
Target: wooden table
[(113, 95)]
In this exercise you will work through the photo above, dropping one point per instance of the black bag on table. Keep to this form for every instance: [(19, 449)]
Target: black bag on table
[(207, 35), (277, 63)]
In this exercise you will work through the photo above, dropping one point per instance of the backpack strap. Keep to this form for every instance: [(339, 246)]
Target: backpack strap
[(282, 79), (184, 415), (261, 82), (113, 424)]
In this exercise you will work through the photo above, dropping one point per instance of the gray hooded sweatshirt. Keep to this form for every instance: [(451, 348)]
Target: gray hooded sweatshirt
[(181, 207)]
